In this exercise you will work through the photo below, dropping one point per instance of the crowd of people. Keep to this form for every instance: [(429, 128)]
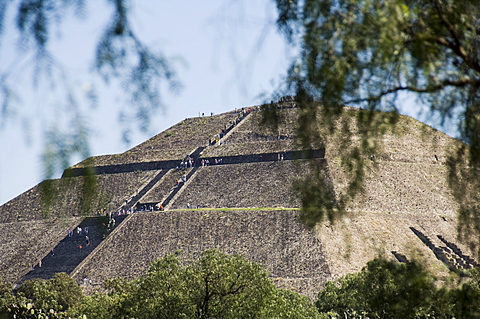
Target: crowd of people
[(187, 162), (76, 232)]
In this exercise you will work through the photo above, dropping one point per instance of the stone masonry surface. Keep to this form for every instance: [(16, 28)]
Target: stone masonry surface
[(111, 191), (273, 238), (174, 143), (361, 236), (24, 244), (243, 185)]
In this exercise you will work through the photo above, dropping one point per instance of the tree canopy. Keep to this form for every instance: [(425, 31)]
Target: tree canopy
[(376, 54), (217, 285), (365, 53), (386, 289)]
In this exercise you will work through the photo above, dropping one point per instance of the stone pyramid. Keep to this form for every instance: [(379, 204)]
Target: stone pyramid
[(225, 182)]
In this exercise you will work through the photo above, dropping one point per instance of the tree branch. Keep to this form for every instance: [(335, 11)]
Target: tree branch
[(428, 89), (457, 46)]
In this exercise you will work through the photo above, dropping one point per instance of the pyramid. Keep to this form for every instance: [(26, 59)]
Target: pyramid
[(225, 182)]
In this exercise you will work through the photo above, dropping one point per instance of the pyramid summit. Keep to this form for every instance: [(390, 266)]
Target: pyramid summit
[(225, 182)]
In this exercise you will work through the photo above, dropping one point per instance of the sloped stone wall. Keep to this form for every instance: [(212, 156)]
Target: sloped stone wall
[(251, 131), (400, 187), (293, 255), (417, 151), (352, 242), (110, 192), (24, 244), (408, 140), (232, 149), (406, 171), (171, 144), (120, 187), (406, 186), (266, 184), (390, 148)]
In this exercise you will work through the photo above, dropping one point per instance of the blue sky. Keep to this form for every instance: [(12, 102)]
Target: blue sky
[(226, 53)]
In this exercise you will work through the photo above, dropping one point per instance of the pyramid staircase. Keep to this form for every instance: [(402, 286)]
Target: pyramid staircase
[(73, 248), (134, 200)]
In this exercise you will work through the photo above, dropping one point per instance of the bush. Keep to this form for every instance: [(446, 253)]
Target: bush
[(386, 289)]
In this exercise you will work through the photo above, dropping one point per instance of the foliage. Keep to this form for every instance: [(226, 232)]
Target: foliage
[(374, 54), (120, 57), (366, 52), (218, 285), (466, 298), (60, 293), (386, 289), (40, 299), (215, 286), (30, 311), (289, 305), (7, 298), (99, 306)]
